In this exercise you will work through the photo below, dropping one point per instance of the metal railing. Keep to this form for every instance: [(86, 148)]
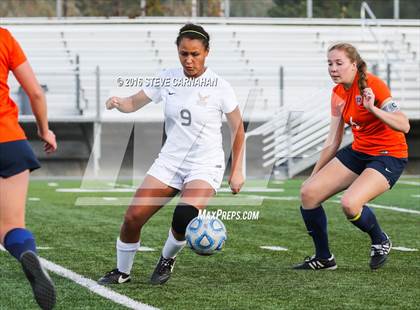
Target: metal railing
[(364, 8), (399, 65), (294, 133)]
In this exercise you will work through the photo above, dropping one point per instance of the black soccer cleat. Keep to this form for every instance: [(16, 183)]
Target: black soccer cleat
[(114, 277), (313, 263), (163, 270), (379, 253), (42, 285)]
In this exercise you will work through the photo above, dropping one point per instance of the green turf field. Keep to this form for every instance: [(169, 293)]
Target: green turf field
[(243, 276)]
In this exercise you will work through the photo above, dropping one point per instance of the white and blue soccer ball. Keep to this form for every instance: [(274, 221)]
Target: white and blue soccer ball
[(205, 235)]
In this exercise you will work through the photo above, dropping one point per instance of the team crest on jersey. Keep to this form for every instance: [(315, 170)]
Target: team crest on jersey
[(359, 100), (202, 100), (354, 125)]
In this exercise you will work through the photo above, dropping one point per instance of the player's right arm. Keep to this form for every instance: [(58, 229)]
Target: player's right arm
[(128, 104), (331, 145)]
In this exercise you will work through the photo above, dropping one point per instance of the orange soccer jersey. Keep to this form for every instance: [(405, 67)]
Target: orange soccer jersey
[(11, 56), (371, 135)]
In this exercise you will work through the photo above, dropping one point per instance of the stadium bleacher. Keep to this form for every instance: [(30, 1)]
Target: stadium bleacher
[(248, 55)]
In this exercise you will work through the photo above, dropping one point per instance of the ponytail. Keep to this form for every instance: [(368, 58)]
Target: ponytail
[(361, 69)]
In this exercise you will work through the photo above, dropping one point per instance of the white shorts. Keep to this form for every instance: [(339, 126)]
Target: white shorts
[(176, 175)]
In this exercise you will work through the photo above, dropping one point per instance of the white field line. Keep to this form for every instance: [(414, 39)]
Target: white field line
[(133, 189), (93, 286), (288, 198), (254, 189), (398, 209), (277, 182), (113, 185), (95, 190), (404, 249), (119, 185), (38, 248), (373, 205), (273, 248), (145, 249), (110, 198), (240, 200), (244, 200), (409, 183)]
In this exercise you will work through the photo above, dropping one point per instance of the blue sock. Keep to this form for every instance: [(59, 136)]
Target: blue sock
[(19, 240), (366, 221), (316, 224)]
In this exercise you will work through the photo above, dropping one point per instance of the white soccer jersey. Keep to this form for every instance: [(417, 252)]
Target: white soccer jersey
[(193, 111)]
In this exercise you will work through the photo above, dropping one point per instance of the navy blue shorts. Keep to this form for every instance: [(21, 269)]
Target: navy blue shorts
[(390, 167), (16, 157)]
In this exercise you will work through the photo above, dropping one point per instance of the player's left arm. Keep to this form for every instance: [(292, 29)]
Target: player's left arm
[(237, 133), (27, 79), (387, 111)]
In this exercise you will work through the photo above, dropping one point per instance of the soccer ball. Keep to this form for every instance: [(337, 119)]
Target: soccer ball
[(205, 235)]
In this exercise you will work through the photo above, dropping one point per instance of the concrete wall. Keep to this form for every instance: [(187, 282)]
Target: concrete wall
[(127, 145), (124, 146)]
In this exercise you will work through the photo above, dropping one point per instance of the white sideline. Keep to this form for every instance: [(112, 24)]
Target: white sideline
[(38, 248), (393, 208), (98, 190), (289, 198), (409, 183), (404, 249), (373, 205), (133, 189), (254, 189), (397, 209), (93, 286), (243, 200), (145, 249), (273, 248)]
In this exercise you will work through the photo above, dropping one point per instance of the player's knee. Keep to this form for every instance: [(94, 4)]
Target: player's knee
[(307, 195), (132, 217), (349, 205), (183, 214)]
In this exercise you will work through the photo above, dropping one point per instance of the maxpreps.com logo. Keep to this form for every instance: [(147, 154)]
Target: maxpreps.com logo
[(230, 215), (359, 100)]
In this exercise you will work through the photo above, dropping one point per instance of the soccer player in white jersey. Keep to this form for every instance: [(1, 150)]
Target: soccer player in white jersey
[(191, 162)]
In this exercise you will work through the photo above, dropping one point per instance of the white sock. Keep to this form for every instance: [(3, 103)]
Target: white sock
[(125, 255), (172, 246)]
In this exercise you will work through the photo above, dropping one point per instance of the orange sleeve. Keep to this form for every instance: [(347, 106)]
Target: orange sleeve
[(380, 89), (16, 55), (337, 104)]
